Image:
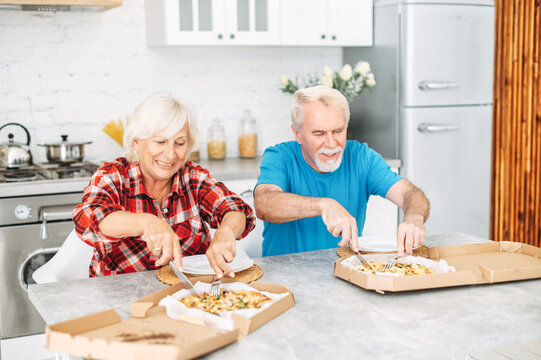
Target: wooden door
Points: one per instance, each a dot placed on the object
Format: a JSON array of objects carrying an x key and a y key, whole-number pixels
[{"x": 516, "y": 158}]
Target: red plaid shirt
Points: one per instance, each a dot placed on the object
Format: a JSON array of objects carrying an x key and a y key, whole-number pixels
[{"x": 195, "y": 199}]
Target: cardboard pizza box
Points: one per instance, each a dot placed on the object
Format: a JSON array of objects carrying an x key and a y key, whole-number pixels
[
  {"x": 475, "y": 264},
  {"x": 150, "y": 334}
]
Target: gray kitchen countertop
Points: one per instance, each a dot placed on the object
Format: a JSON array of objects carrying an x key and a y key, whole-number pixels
[
  {"x": 223, "y": 170},
  {"x": 335, "y": 319},
  {"x": 232, "y": 168}
]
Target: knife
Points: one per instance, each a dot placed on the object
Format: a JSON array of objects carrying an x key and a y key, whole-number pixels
[
  {"x": 187, "y": 283},
  {"x": 361, "y": 258}
]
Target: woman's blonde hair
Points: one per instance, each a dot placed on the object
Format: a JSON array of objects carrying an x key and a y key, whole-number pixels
[
  {"x": 330, "y": 97},
  {"x": 158, "y": 112}
]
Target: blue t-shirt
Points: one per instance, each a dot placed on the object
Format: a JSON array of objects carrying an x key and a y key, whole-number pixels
[{"x": 362, "y": 173}]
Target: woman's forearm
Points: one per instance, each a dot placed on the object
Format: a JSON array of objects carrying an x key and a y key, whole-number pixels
[
  {"x": 233, "y": 222},
  {"x": 121, "y": 224}
]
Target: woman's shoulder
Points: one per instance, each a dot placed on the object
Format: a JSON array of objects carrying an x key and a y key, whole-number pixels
[
  {"x": 119, "y": 167},
  {"x": 194, "y": 171},
  {"x": 119, "y": 164}
]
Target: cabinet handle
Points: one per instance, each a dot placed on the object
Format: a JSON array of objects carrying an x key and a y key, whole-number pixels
[
  {"x": 323, "y": 36},
  {"x": 232, "y": 36},
  {"x": 334, "y": 37},
  {"x": 60, "y": 212},
  {"x": 429, "y": 128},
  {"x": 437, "y": 85},
  {"x": 247, "y": 193},
  {"x": 220, "y": 36}
]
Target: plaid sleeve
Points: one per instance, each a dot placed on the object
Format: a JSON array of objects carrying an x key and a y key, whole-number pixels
[
  {"x": 216, "y": 200},
  {"x": 100, "y": 198}
]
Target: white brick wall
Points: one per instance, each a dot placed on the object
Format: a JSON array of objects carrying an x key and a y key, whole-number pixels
[{"x": 72, "y": 72}]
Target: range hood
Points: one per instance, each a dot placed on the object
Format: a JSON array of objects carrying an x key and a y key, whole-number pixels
[{"x": 59, "y": 5}]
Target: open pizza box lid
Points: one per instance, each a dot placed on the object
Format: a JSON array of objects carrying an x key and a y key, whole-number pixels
[
  {"x": 475, "y": 264},
  {"x": 150, "y": 334}
]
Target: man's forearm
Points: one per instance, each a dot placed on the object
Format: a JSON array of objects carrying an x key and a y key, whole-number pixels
[
  {"x": 416, "y": 205},
  {"x": 280, "y": 207}
]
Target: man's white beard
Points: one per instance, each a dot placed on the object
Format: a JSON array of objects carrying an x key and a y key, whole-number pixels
[{"x": 329, "y": 165}]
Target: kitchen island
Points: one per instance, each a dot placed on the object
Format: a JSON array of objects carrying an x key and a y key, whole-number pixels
[{"x": 335, "y": 319}]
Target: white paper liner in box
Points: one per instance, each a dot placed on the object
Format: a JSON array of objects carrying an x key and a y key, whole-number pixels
[
  {"x": 178, "y": 311},
  {"x": 440, "y": 266}
]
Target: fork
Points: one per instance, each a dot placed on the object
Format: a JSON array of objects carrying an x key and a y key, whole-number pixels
[
  {"x": 390, "y": 263},
  {"x": 215, "y": 288}
]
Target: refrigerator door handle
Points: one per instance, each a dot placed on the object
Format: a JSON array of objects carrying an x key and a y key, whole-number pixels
[
  {"x": 437, "y": 85},
  {"x": 430, "y": 128}
]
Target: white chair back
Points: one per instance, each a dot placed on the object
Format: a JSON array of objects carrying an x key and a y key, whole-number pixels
[{"x": 70, "y": 262}]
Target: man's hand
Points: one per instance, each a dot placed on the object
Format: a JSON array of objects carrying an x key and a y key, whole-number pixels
[
  {"x": 339, "y": 222},
  {"x": 411, "y": 234},
  {"x": 221, "y": 252}
]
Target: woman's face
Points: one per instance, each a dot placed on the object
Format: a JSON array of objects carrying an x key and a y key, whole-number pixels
[{"x": 159, "y": 157}]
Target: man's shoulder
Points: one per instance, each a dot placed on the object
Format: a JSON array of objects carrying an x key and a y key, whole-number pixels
[
  {"x": 282, "y": 150},
  {"x": 286, "y": 146},
  {"x": 357, "y": 147},
  {"x": 360, "y": 150}
]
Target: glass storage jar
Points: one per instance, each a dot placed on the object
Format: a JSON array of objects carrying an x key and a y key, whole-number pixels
[
  {"x": 194, "y": 155},
  {"x": 248, "y": 136},
  {"x": 216, "y": 141}
]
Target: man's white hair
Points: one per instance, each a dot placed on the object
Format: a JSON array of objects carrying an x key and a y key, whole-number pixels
[{"x": 330, "y": 97}]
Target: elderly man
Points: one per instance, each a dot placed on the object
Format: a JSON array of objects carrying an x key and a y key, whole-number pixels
[{"x": 317, "y": 187}]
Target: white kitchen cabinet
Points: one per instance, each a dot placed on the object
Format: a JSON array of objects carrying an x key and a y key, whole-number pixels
[
  {"x": 212, "y": 22},
  {"x": 381, "y": 216},
  {"x": 326, "y": 22}
]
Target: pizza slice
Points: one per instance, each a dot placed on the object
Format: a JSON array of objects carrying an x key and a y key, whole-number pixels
[{"x": 226, "y": 301}]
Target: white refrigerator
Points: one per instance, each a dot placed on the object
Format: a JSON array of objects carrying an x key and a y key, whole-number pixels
[{"x": 432, "y": 104}]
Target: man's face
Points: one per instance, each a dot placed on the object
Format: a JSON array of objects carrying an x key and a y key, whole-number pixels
[{"x": 322, "y": 136}]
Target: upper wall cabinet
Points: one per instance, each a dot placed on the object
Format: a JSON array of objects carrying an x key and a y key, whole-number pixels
[
  {"x": 212, "y": 22},
  {"x": 326, "y": 22}
]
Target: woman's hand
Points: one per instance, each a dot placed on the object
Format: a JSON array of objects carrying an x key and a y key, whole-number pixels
[
  {"x": 222, "y": 251},
  {"x": 222, "y": 247},
  {"x": 161, "y": 240}
]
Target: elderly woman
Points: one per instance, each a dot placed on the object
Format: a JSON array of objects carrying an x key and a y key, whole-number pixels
[{"x": 141, "y": 211}]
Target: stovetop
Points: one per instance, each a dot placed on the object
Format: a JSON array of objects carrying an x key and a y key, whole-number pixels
[
  {"x": 45, "y": 178},
  {"x": 47, "y": 171}
]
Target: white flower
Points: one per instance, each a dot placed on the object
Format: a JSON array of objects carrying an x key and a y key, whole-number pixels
[
  {"x": 284, "y": 80},
  {"x": 326, "y": 80},
  {"x": 346, "y": 72},
  {"x": 362, "y": 67},
  {"x": 370, "y": 81},
  {"x": 327, "y": 71}
]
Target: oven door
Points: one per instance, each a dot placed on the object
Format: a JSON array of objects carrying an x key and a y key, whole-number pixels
[{"x": 22, "y": 251}]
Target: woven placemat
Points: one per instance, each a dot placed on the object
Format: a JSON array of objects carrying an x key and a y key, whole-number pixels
[
  {"x": 347, "y": 252},
  {"x": 167, "y": 276}
]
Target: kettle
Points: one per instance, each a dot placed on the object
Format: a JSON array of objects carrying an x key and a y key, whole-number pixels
[{"x": 14, "y": 154}]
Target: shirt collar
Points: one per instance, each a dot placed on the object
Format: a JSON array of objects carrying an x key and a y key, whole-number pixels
[{"x": 138, "y": 187}]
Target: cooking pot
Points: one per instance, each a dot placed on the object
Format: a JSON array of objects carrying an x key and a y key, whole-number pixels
[
  {"x": 64, "y": 151},
  {"x": 14, "y": 154}
]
